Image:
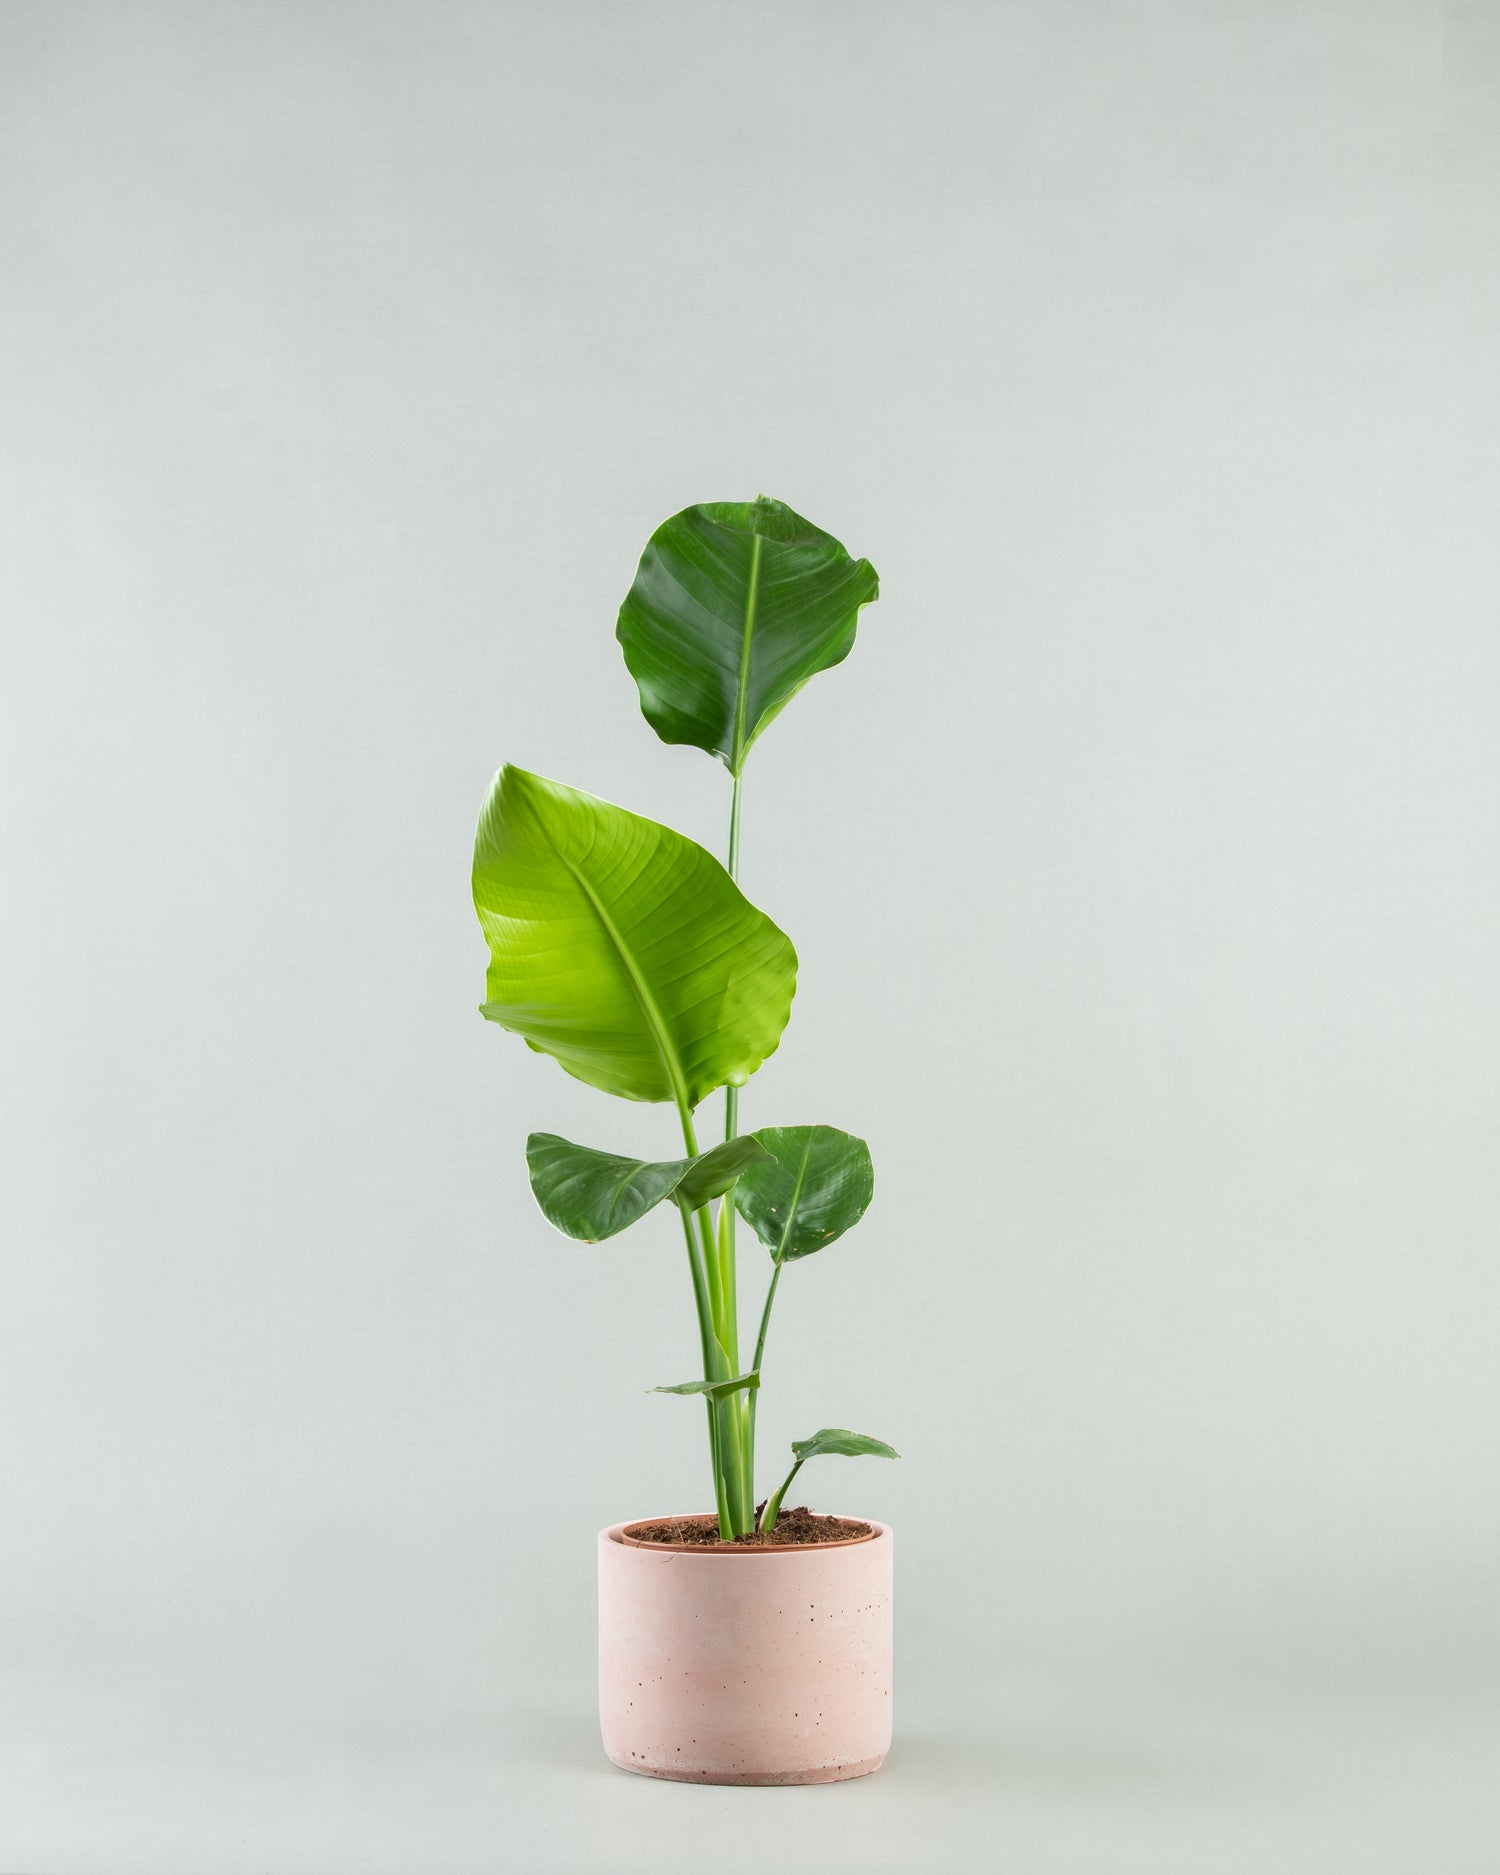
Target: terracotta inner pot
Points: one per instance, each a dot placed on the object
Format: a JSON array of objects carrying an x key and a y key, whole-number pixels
[{"x": 732, "y": 1549}]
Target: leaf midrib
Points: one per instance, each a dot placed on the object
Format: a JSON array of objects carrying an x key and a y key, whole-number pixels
[
  {"x": 747, "y": 638},
  {"x": 796, "y": 1198},
  {"x": 655, "y": 1021}
]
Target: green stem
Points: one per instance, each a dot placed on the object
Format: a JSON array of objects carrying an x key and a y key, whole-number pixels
[
  {"x": 712, "y": 1359},
  {"x": 773, "y": 1502},
  {"x": 721, "y": 1490},
  {"x": 729, "y": 1327},
  {"x": 730, "y": 1341},
  {"x": 734, "y": 1409},
  {"x": 731, "y": 1092},
  {"x": 732, "y": 1464},
  {"x": 725, "y": 1445},
  {"x": 728, "y": 1281},
  {"x": 765, "y": 1315},
  {"x": 734, "y": 832},
  {"x": 760, "y": 1349},
  {"x": 710, "y": 1252},
  {"x": 689, "y": 1131},
  {"x": 714, "y": 1366}
]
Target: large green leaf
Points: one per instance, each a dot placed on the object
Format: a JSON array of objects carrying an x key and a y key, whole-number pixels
[
  {"x": 817, "y": 1183},
  {"x": 592, "y": 1195},
  {"x": 621, "y": 948},
  {"x": 735, "y": 605}
]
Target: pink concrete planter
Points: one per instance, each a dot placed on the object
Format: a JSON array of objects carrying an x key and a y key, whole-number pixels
[{"x": 750, "y": 1666}]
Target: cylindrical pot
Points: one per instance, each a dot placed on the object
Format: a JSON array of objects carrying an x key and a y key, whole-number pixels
[{"x": 746, "y": 1666}]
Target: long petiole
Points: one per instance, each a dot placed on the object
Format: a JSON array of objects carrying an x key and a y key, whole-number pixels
[
  {"x": 724, "y": 1269},
  {"x": 707, "y": 1236},
  {"x": 727, "y": 1275},
  {"x": 734, "y": 832},
  {"x": 760, "y": 1348},
  {"x": 765, "y": 1315},
  {"x": 721, "y": 1489},
  {"x": 730, "y": 1341},
  {"x": 712, "y": 1360},
  {"x": 736, "y": 1505}
]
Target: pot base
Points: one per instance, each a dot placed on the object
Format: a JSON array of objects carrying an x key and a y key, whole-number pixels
[{"x": 817, "y": 1774}]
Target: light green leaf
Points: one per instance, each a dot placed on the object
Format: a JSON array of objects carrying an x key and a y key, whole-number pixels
[
  {"x": 835, "y": 1440},
  {"x": 592, "y": 1195},
  {"x": 818, "y": 1184},
  {"x": 622, "y": 949},
  {"x": 715, "y": 1389},
  {"x": 735, "y": 606}
]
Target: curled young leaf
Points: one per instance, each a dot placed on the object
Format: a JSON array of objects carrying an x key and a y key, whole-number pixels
[{"x": 818, "y": 1184}]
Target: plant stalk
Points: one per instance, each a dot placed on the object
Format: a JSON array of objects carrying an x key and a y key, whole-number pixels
[
  {"x": 730, "y": 1340},
  {"x": 737, "y": 1420},
  {"x": 711, "y": 1351},
  {"x": 735, "y": 1499},
  {"x": 773, "y": 1503},
  {"x": 721, "y": 1489},
  {"x": 760, "y": 1348},
  {"x": 728, "y": 1277}
]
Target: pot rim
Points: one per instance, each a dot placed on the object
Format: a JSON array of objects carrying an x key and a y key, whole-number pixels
[{"x": 618, "y": 1533}]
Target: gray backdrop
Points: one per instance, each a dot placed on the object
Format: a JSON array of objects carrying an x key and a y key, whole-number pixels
[{"x": 1141, "y": 861}]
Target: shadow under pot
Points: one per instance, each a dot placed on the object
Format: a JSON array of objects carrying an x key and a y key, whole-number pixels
[{"x": 730, "y": 1665}]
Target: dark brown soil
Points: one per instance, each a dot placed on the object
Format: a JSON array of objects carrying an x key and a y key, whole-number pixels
[{"x": 792, "y": 1527}]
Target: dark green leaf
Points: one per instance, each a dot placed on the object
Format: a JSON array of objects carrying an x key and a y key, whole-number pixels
[
  {"x": 715, "y": 1389},
  {"x": 592, "y": 1195},
  {"x": 622, "y": 949},
  {"x": 818, "y": 1185},
  {"x": 735, "y": 606},
  {"x": 834, "y": 1439},
  {"x": 712, "y": 1173}
]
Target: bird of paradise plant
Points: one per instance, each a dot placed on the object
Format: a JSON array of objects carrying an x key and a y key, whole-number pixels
[{"x": 629, "y": 954}]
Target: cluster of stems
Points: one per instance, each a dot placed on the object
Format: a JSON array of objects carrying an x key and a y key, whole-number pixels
[{"x": 711, "y": 1257}]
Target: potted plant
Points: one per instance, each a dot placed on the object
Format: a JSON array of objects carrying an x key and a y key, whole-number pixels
[{"x": 749, "y": 1644}]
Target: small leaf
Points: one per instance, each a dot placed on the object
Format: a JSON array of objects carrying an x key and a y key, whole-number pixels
[
  {"x": 835, "y": 1440},
  {"x": 831, "y": 1440},
  {"x": 819, "y": 1185},
  {"x": 735, "y": 606},
  {"x": 591, "y": 1195},
  {"x": 712, "y": 1173},
  {"x": 716, "y": 1389}
]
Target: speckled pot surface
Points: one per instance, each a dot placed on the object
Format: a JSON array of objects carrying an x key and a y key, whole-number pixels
[{"x": 759, "y": 1666}]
